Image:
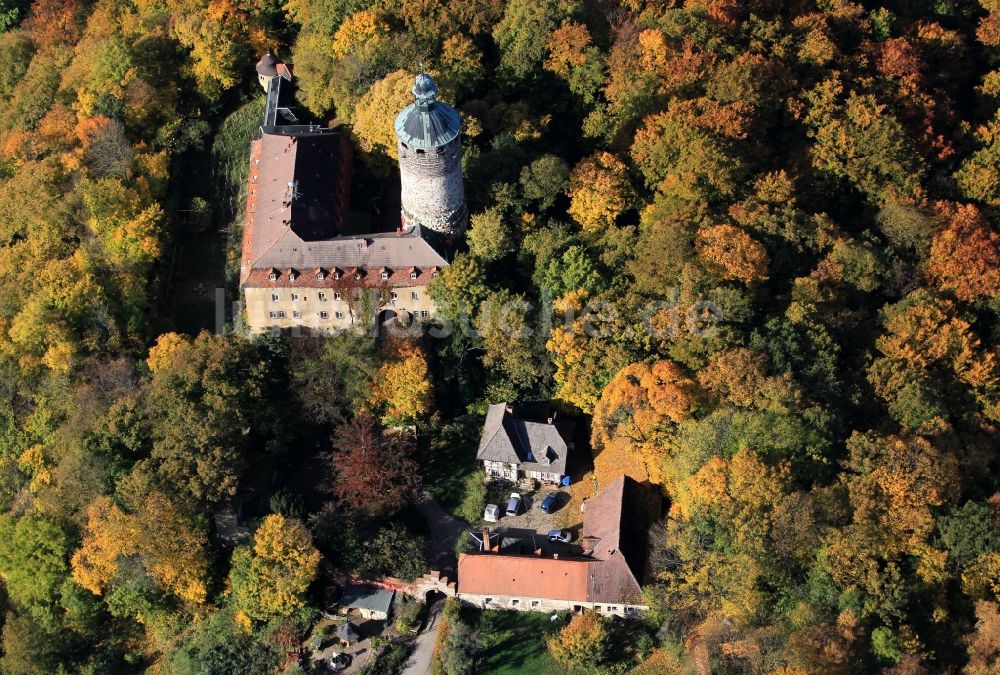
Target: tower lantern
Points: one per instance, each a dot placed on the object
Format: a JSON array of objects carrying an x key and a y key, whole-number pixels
[
  {"x": 267, "y": 69},
  {"x": 430, "y": 162}
]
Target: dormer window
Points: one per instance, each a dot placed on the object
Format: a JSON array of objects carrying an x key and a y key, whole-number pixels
[
  {"x": 292, "y": 275},
  {"x": 336, "y": 273},
  {"x": 320, "y": 274},
  {"x": 384, "y": 274},
  {"x": 434, "y": 272},
  {"x": 273, "y": 276},
  {"x": 413, "y": 273},
  {"x": 358, "y": 274}
]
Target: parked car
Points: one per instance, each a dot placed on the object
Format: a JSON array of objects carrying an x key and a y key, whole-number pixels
[
  {"x": 560, "y": 535},
  {"x": 514, "y": 504},
  {"x": 339, "y": 661},
  {"x": 492, "y": 513},
  {"x": 549, "y": 503}
]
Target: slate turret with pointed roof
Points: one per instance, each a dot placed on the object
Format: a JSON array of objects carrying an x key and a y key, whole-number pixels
[{"x": 430, "y": 162}]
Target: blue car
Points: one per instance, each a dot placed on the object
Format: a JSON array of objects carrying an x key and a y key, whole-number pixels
[{"x": 548, "y": 504}]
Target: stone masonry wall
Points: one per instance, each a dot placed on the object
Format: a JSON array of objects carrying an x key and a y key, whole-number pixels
[{"x": 433, "y": 194}]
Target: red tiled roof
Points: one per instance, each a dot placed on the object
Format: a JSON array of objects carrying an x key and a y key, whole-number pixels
[{"x": 524, "y": 576}]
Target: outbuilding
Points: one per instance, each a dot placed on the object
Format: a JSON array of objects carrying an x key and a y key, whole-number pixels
[{"x": 372, "y": 603}]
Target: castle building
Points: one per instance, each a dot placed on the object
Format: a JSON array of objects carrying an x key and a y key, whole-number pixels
[
  {"x": 309, "y": 263},
  {"x": 430, "y": 162}
]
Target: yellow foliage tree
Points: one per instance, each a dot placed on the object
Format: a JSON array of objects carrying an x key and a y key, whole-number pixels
[
  {"x": 374, "y": 116},
  {"x": 270, "y": 579},
  {"x": 599, "y": 191},
  {"x": 166, "y": 348},
  {"x": 361, "y": 28},
  {"x": 170, "y": 548},
  {"x": 585, "y": 360},
  {"x": 583, "y": 642},
  {"x": 402, "y": 388}
]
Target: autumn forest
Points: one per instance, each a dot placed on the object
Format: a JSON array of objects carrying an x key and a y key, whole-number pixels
[{"x": 782, "y": 215}]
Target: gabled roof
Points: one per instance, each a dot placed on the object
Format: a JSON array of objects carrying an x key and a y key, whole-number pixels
[
  {"x": 525, "y": 576},
  {"x": 615, "y": 525},
  {"x": 363, "y": 597},
  {"x": 509, "y": 439}
]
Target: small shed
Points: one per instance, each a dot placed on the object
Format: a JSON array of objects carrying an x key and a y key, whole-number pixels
[
  {"x": 372, "y": 603},
  {"x": 348, "y": 633}
]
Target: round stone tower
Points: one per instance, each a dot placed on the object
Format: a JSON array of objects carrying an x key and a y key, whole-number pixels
[{"x": 430, "y": 162}]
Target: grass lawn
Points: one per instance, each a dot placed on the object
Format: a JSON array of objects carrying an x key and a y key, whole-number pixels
[{"x": 514, "y": 642}]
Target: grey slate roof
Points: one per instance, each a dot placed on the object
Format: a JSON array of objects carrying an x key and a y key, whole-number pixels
[
  {"x": 527, "y": 443},
  {"x": 348, "y": 632},
  {"x": 268, "y": 65},
  {"x": 363, "y": 597},
  {"x": 370, "y": 251},
  {"x": 427, "y": 123}
]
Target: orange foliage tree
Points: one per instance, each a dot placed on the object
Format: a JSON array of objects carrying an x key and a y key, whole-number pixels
[
  {"x": 634, "y": 412},
  {"x": 731, "y": 253},
  {"x": 965, "y": 254}
]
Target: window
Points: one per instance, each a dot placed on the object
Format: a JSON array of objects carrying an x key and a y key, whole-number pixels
[
  {"x": 414, "y": 295},
  {"x": 336, "y": 295},
  {"x": 324, "y": 315},
  {"x": 420, "y": 151},
  {"x": 630, "y": 610},
  {"x": 295, "y": 296},
  {"x": 336, "y": 275},
  {"x": 413, "y": 274},
  {"x": 597, "y": 608},
  {"x": 424, "y": 313},
  {"x": 612, "y": 608},
  {"x": 277, "y": 315},
  {"x": 291, "y": 276},
  {"x": 322, "y": 297},
  {"x": 274, "y": 297},
  {"x": 320, "y": 276},
  {"x": 296, "y": 315},
  {"x": 393, "y": 295},
  {"x": 385, "y": 276},
  {"x": 339, "y": 315},
  {"x": 514, "y": 602},
  {"x": 272, "y": 276},
  {"x": 534, "y": 603},
  {"x": 489, "y": 600},
  {"x": 357, "y": 276}
]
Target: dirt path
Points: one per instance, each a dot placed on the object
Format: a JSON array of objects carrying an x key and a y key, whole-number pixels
[{"x": 445, "y": 531}]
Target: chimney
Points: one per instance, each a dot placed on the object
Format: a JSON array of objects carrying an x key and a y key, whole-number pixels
[
  {"x": 486, "y": 539},
  {"x": 510, "y": 409},
  {"x": 555, "y": 556},
  {"x": 538, "y": 551},
  {"x": 552, "y": 417}
]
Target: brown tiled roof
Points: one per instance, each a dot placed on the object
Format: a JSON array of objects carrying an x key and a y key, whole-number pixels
[
  {"x": 615, "y": 522},
  {"x": 296, "y": 207},
  {"x": 523, "y": 576}
]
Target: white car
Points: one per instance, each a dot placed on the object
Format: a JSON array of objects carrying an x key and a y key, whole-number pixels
[{"x": 492, "y": 513}]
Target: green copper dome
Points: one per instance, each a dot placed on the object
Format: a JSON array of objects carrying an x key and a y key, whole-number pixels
[{"x": 427, "y": 123}]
